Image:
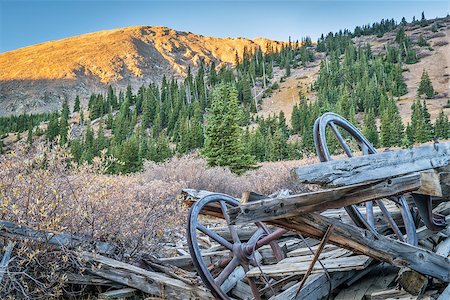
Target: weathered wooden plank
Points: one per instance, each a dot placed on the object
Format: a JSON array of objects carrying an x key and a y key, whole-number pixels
[
  {"x": 144, "y": 280},
  {"x": 356, "y": 291},
  {"x": 376, "y": 166},
  {"x": 435, "y": 182},
  {"x": 445, "y": 294},
  {"x": 14, "y": 231},
  {"x": 316, "y": 286},
  {"x": 374, "y": 245},
  {"x": 185, "y": 261},
  {"x": 443, "y": 248},
  {"x": 242, "y": 291},
  {"x": 118, "y": 294},
  {"x": 237, "y": 275},
  {"x": 391, "y": 294},
  {"x": 271, "y": 209},
  {"x": 339, "y": 252},
  {"x": 357, "y": 262},
  {"x": 88, "y": 279}
]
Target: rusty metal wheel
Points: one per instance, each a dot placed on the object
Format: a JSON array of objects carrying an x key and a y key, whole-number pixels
[
  {"x": 241, "y": 254},
  {"x": 337, "y": 123}
]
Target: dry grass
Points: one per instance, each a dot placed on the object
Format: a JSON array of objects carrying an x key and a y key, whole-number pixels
[{"x": 40, "y": 188}]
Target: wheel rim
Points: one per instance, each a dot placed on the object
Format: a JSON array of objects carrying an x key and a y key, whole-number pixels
[
  {"x": 236, "y": 248},
  {"x": 335, "y": 122}
]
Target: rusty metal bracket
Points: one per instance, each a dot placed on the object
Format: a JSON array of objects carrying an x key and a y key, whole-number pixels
[{"x": 433, "y": 221}]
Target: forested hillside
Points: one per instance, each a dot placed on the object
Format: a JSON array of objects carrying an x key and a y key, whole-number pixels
[{"x": 214, "y": 111}]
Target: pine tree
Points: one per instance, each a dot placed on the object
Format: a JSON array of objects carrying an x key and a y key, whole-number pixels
[
  {"x": 279, "y": 149},
  {"x": 422, "y": 42},
  {"x": 52, "y": 127},
  {"x": 420, "y": 124},
  {"x": 391, "y": 126},
  {"x": 370, "y": 128},
  {"x": 425, "y": 86},
  {"x": 442, "y": 126},
  {"x": 81, "y": 117},
  {"x": 30, "y": 134},
  {"x": 64, "y": 123},
  {"x": 76, "y": 106},
  {"x": 163, "y": 149},
  {"x": 223, "y": 135},
  {"x": 423, "y": 20}
]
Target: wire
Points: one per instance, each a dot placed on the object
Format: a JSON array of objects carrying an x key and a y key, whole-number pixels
[
  {"x": 264, "y": 275},
  {"x": 323, "y": 267}
]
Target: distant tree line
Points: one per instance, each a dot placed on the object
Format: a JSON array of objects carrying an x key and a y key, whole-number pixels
[{"x": 214, "y": 110}]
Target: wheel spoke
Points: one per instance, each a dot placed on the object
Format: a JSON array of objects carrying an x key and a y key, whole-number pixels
[
  {"x": 215, "y": 236},
  {"x": 233, "y": 231},
  {"x": 364, "y": 148},
  {"x": 341, "y": 140},
  {"x": 226, "y": 272},
  {"x": 390, "y": 220},
  {"x": 252, "y": 284},
  {"x": 369, "y": 213}
]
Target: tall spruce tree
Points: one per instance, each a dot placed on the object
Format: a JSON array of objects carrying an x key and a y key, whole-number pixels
[
  {"x": 425, "y": 86},
  {"x": 442, "y": 126},
  {"x": 223, "y": 135},
  {"x": 76, "y": 106},
  {"x": 370, "y": 128},
  {"x": 64, "y": 123}
]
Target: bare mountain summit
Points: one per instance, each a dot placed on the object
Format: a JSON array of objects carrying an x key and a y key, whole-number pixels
[{"x": 39, "y": 77}]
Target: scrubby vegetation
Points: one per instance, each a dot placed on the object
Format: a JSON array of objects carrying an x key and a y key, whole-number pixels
[{"x": 41, "y": 187}]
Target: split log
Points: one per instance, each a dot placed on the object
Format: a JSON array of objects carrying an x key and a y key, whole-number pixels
[
  {"x": 147, "y": 281},
  {"x": 70, "y": 241},
  {"x": 376, "y": 166},
  {"x": 374, "y": 245},
  {"x": 271, "y": 209}
]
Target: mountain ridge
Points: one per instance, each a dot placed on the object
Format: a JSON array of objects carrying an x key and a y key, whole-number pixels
[{"x": 38, "y": 78}]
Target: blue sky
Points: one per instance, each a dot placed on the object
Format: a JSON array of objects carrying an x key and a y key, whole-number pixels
[{"x": 24, "y": 23}]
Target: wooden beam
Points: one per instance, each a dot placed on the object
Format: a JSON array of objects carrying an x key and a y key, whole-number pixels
[
  {"x": 147, "y": 281},
  {"x": 318, "y": 201},
  {"x": 435, "y": 183},
  {"x": 374, "y": 245},
  {"x": 376, "y": 166}
]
